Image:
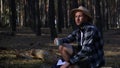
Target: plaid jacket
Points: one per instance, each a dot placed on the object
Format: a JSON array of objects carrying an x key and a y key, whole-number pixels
[{"x": 89, "y": 39}]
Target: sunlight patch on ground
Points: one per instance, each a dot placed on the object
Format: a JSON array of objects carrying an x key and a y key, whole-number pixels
[
  {"x": 112, "y": 53},
  {"x": 19, "y": 34}
]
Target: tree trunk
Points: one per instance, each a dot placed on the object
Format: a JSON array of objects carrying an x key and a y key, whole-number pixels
[
  {"x": 60, "y": 21},
  {"x": 83, "y": 2},
  {"x": 38, "y": 21},
  {"x": 1, "y": 11},
  {"x": 46, "y": 13},
  {"x": 106, "y": 14},
  {"x": 65, "y": 13},
  {"x": 51, "y": 19},
  {"x": 25, "y": 13},
  {"x": 73, "y": 4},
  {"x": 13, "y": 15},
  {"x": 98, "y": 19}
]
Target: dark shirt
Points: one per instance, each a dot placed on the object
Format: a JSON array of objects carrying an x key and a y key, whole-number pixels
[{"x": 90, "y": 41}]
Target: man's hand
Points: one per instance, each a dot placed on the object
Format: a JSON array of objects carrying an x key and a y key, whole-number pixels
[
  {"x": 65, "y": 65},
  {"x": 55, "y": 40}
]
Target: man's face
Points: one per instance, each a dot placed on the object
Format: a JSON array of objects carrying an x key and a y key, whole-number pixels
[{"x": 79, "y": 18}]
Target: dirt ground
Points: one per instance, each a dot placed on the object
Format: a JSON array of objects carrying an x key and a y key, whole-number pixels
[{"x": 25, "y": 41}]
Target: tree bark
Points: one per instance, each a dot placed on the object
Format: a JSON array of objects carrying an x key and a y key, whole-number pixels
[
  {"x": 60, "y": 21},
  {"x": 98, "y": 19},
  {"x": 1, "y": 11},
  {"x": 13, "y": 15},
  {"x": 51, "y": 19},
  {"x": 38, "y": 21},
  {"x": 73, "y": 4}
]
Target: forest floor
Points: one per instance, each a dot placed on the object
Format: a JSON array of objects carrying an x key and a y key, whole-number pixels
[{"x": 25, "y": 40}]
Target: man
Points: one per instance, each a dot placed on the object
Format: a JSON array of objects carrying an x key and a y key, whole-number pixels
[{"x": 89, "y": 52}]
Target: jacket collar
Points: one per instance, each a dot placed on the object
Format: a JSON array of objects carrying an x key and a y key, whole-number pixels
[{"x": 81, "y": 26}]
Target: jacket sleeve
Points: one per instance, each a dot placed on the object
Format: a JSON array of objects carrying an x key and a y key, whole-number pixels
[
  {"x": 87, "y": 46},
  {"x": 70, "y": 38}
]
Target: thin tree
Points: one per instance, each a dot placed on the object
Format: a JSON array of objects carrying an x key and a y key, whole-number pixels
[
  {"x": 51, "y": 19},
  {"x": 46, "y": 13},
  {"x": 13, "y": 16},
  {"x": 106, "y": 10},
  {"x": 1, "y": 11},
  {"x": 65, "y": 7},
  {"x": 60, "y": 22},
  {"x": 73, "y": 4},
  {"x": 98, "y": 19},
  {"x": 83, "y": 2},
  {"x": 37, "y": 20}
]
